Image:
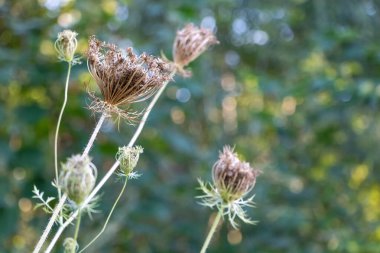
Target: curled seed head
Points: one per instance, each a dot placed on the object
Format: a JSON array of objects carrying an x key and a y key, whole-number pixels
[
  {"x": 77, "y": 178},
  {"x": 124, "y": 77},
  {"x": 66, "y": 44},
  {"x": 232, "y": 177},
  {"x": 189, "y": 43},
  {"x": 128, "y": 158}
]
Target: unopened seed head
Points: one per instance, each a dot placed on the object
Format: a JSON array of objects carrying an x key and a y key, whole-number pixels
[
  {"x": 232, "y": 177},
  {"x": 66, "y": 44},
  {"x": 77, "y": 178},
  {"x": 128, "y": 158},
  {"x": 70, "y": 245},
  {"x": 190, "y": 42}
]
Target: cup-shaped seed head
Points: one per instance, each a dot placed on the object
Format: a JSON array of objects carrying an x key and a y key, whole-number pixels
[
  {"x": 190, "y": 42},
  {"x": 128, "y": 158},
  {"x": 124, "y": 77},
  {"x": 77, "y": 178},
  {"x": 232, "y": 177},
  {"x": 66, "y": 44}
]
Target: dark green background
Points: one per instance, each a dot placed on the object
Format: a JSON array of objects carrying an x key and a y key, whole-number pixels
[{"x": 293, "y": 85}]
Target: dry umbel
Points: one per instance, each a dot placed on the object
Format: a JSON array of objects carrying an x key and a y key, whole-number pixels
[
  {"x": 124, "y": 77},
  {"x": 189, "y": 43}
]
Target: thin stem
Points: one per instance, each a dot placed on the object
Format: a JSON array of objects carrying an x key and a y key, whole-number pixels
[
  {"x": 87, "y": 149},
  {"x": 85, "y": 202},
  {"x": 50, "y": 224},
  {"x": 211, "y": 232},
  {"x": 94, "y": 134},
  {"x": 77, "y": 225},
  {"x": 57, "y": 133},
  {"x": 112, "y": 169},
  {"x": 108, "y": 217}
]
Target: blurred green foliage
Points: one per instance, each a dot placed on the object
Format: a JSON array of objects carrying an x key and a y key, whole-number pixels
[{"x": 294, "y": 85}]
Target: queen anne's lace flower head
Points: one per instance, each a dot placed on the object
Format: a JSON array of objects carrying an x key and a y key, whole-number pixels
[
  {"x": 65, "y": 45},
  {"x": 232, "y": 181},
  {"x": 190, "y": 43},
  {"x": 124, "y": 77},
  {"x": 78, "y": 177}
]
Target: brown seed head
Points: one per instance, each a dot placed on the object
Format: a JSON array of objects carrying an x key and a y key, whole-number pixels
[
  {"x": 232, "y": 177},
  {"x": 124, "y": 78},
  {"x": 189, "y": 43}
]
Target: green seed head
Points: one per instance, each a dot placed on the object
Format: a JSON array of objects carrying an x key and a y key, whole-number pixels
[
  {"x": 78, "y": 177},
  {"x": 128, "y": 158},
  {"x": 66, "y": 44}
]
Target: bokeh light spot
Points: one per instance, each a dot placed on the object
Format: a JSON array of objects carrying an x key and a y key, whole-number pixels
[
  {"x": 358, "y": 175},
  {"x": 231, "y": 58},
  {"x": 25, "y": 205},
  {"x": 234, "y": 237},
  {"x": 288, "y": 106},
  {"x": 19, "y": 174},
  {"x": 68, "y": 19},
  {"x": 47, "y": 48},
  {"x": 177, "y": 115},
  {"x": 209, "y": 23},
  {"x": 183, "y": 95},
  {"x": 228, "y": 82}
]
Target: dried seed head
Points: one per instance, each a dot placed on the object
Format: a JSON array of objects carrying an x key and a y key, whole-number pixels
[
  {"x": 233, "y": 178},
  {"x": 189, "y": 43},
  {"x": 123, "y": 77},
  {"x": 128, "y": 158},
  {"x": 77, "y": 178},
  {"x": 66, "y": 44}
]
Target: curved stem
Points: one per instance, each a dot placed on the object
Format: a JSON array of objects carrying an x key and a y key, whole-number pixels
[
  {"x": 94, "y": 134},
  {"x": 112, "y": 169},
  {"x": 211, "y": 232},
  {"x": 57, "y": 133},
  {"x": 50, "y": 224},
  {"x": 108, "y": 217}
]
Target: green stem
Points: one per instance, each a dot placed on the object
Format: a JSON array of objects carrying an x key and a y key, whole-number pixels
[
  {"x": 211, "y": 232},
  {"x": 77, "y": 226},
  {"x": 57, "y": 133},
  {"x": 108, "y": 218}
]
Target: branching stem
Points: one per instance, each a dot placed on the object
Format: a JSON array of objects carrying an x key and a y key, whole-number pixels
[
  {"x": 112, "y": 169},
  {"x": 108, "y": 217}
]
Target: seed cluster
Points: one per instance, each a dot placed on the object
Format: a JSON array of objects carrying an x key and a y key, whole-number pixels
[
  {"x": 65, "y": 45},
  {"x": 77, "y": 178},
  {"x": 232, "y": 177},
  {"x": 123, "y": 77},
  {"x": 189, "y": 43}
]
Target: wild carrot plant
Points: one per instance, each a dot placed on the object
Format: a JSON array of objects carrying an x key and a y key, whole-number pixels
[
  {"x": 232, "y": 181},
  {"x": 123, "y": 78}
]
